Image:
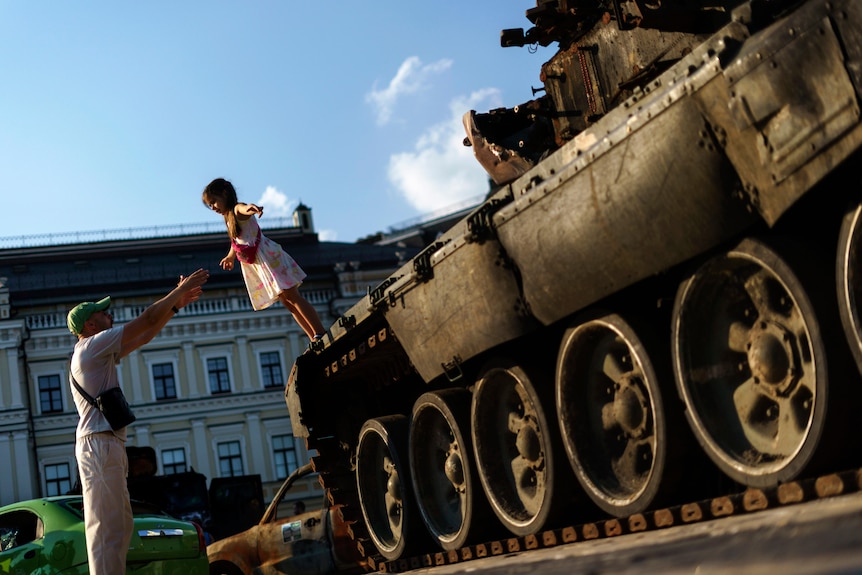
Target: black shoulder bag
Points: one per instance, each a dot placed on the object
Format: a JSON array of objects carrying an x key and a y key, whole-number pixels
[{"x": 112, "y": 403}]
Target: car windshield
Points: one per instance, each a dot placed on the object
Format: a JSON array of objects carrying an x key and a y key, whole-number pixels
[{"x": 75, "y": 505}]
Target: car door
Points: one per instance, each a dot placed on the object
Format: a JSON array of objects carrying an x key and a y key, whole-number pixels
[
  {"x": 21, "y": 559},
  {"x": 21, "y": 553},
  {"x": 298, "y": 545}
]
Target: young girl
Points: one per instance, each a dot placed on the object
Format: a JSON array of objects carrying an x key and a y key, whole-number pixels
[{"x": 270, "y": 273}]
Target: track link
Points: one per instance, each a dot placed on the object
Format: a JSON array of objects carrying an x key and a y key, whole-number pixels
[{"x": 749, "y": 501}]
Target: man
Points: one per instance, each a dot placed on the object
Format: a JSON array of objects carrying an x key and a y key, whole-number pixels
[{"x": 100, "y": 451}]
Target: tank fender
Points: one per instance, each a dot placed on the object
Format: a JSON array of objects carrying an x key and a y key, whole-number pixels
[
  {"x": 786, "y": 108},
  {"x": 442, "y": 320}
]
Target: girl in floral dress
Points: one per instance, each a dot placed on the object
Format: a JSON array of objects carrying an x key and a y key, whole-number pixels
[{"x": 270, "y": 274}]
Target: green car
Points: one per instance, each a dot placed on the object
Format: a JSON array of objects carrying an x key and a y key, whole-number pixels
[{"x": 46, "y": 537}]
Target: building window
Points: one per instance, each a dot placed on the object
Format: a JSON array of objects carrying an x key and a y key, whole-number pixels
[
  {"x": 164, "y": 382},
  {"x": 50, "y": 396},
  {"x": 230, "y": 459},
  {"x": 284, "y": 453},
  {"x": 217, "y": 373},
  {"x": 58, "y": 481},
  {"x": 174, "y": 461},
  {"x": 270, "y": 369}
]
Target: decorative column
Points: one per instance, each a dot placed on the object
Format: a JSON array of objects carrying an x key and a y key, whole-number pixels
[
  {"x": 142, "y": 435},
  {"x": 23, "y": 466},
  {"x": 256, "y": 443},
  {"x": 245, "y": 372},
  {"x": 193, "y": 385},
  {"x": 7, "y": 480},
  {"x": 295, "y": 347},
  {"x": 133, "y": 365},
  {"x": 14, "y": 378},
  {"x": 200, "y": 459}
]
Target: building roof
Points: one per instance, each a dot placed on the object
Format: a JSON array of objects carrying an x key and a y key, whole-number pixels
[{"x": 52, "y": 274}]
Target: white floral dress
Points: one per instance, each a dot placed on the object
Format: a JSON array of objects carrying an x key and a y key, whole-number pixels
[{"x": 273, "y": 270}]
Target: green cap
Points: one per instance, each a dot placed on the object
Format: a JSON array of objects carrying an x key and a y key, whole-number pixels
[{"x": 82, "y": 312}]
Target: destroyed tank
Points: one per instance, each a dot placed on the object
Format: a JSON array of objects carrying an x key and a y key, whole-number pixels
[{"x": 658, "y": 298}]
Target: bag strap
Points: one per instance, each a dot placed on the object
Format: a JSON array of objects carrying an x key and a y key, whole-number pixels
[
  {"x": 83, "y": 393},
  {"x": 247, "y": 247}
]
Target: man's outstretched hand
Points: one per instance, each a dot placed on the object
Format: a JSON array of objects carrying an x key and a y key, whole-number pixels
[{"x": 191, "y": 286}]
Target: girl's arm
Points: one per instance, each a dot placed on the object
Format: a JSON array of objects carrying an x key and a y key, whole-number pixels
[
  {"x": 227, "y": 262},
  {"x": 245, "y": 211}
]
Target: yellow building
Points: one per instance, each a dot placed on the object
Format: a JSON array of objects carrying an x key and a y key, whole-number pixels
[{"x": 208, "y": 391}]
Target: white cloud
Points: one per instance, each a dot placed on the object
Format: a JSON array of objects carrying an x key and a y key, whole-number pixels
[
  {"x": 327, "y": 235},
  {"x": 276, "y": 204},
  {"x": 411, "y": 77},
  {"x": 441, "y": 171}
]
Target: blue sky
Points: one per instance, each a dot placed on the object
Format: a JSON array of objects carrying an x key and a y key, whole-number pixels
[{"x": 115, "y": 115}]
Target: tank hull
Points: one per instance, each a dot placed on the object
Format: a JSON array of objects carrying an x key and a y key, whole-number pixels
[{"x": 665, "y": 286}]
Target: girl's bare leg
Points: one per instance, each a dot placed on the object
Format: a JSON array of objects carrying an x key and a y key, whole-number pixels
[
  {"x": 303, "y": 312},
  {"x": 297, "y": 316}
]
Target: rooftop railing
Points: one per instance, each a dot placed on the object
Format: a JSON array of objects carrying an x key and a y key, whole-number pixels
[
  {"x": 121, "y": 313},
  {"x": 139, "y": 233}
]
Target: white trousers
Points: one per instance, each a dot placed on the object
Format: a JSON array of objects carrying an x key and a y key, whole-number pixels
[{"x": 103, "y": 467}]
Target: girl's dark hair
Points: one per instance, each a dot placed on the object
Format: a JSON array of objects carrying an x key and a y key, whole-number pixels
[{"x": 221, "y": 189}]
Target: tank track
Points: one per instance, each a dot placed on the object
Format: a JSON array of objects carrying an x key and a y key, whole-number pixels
[
  {"x": 376, "y": 360},
  {"x": 751, "y": 500},
  {"x": 339, "y": 481},
  {"x": 336, "y": 466}
]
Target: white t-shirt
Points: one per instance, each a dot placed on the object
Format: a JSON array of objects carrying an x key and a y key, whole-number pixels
[{"x": 93, "y": 365}]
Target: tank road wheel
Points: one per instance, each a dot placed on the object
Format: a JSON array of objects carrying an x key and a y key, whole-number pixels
[
  {"x": 383, "y": 481},
  {"x": 849, "y": 270},
  {"x": 513, "y": 443},
  {"x": 448, "y": 493},
  {"x": 611, "y": 414},
  {"x": 750, "y": 364}
]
